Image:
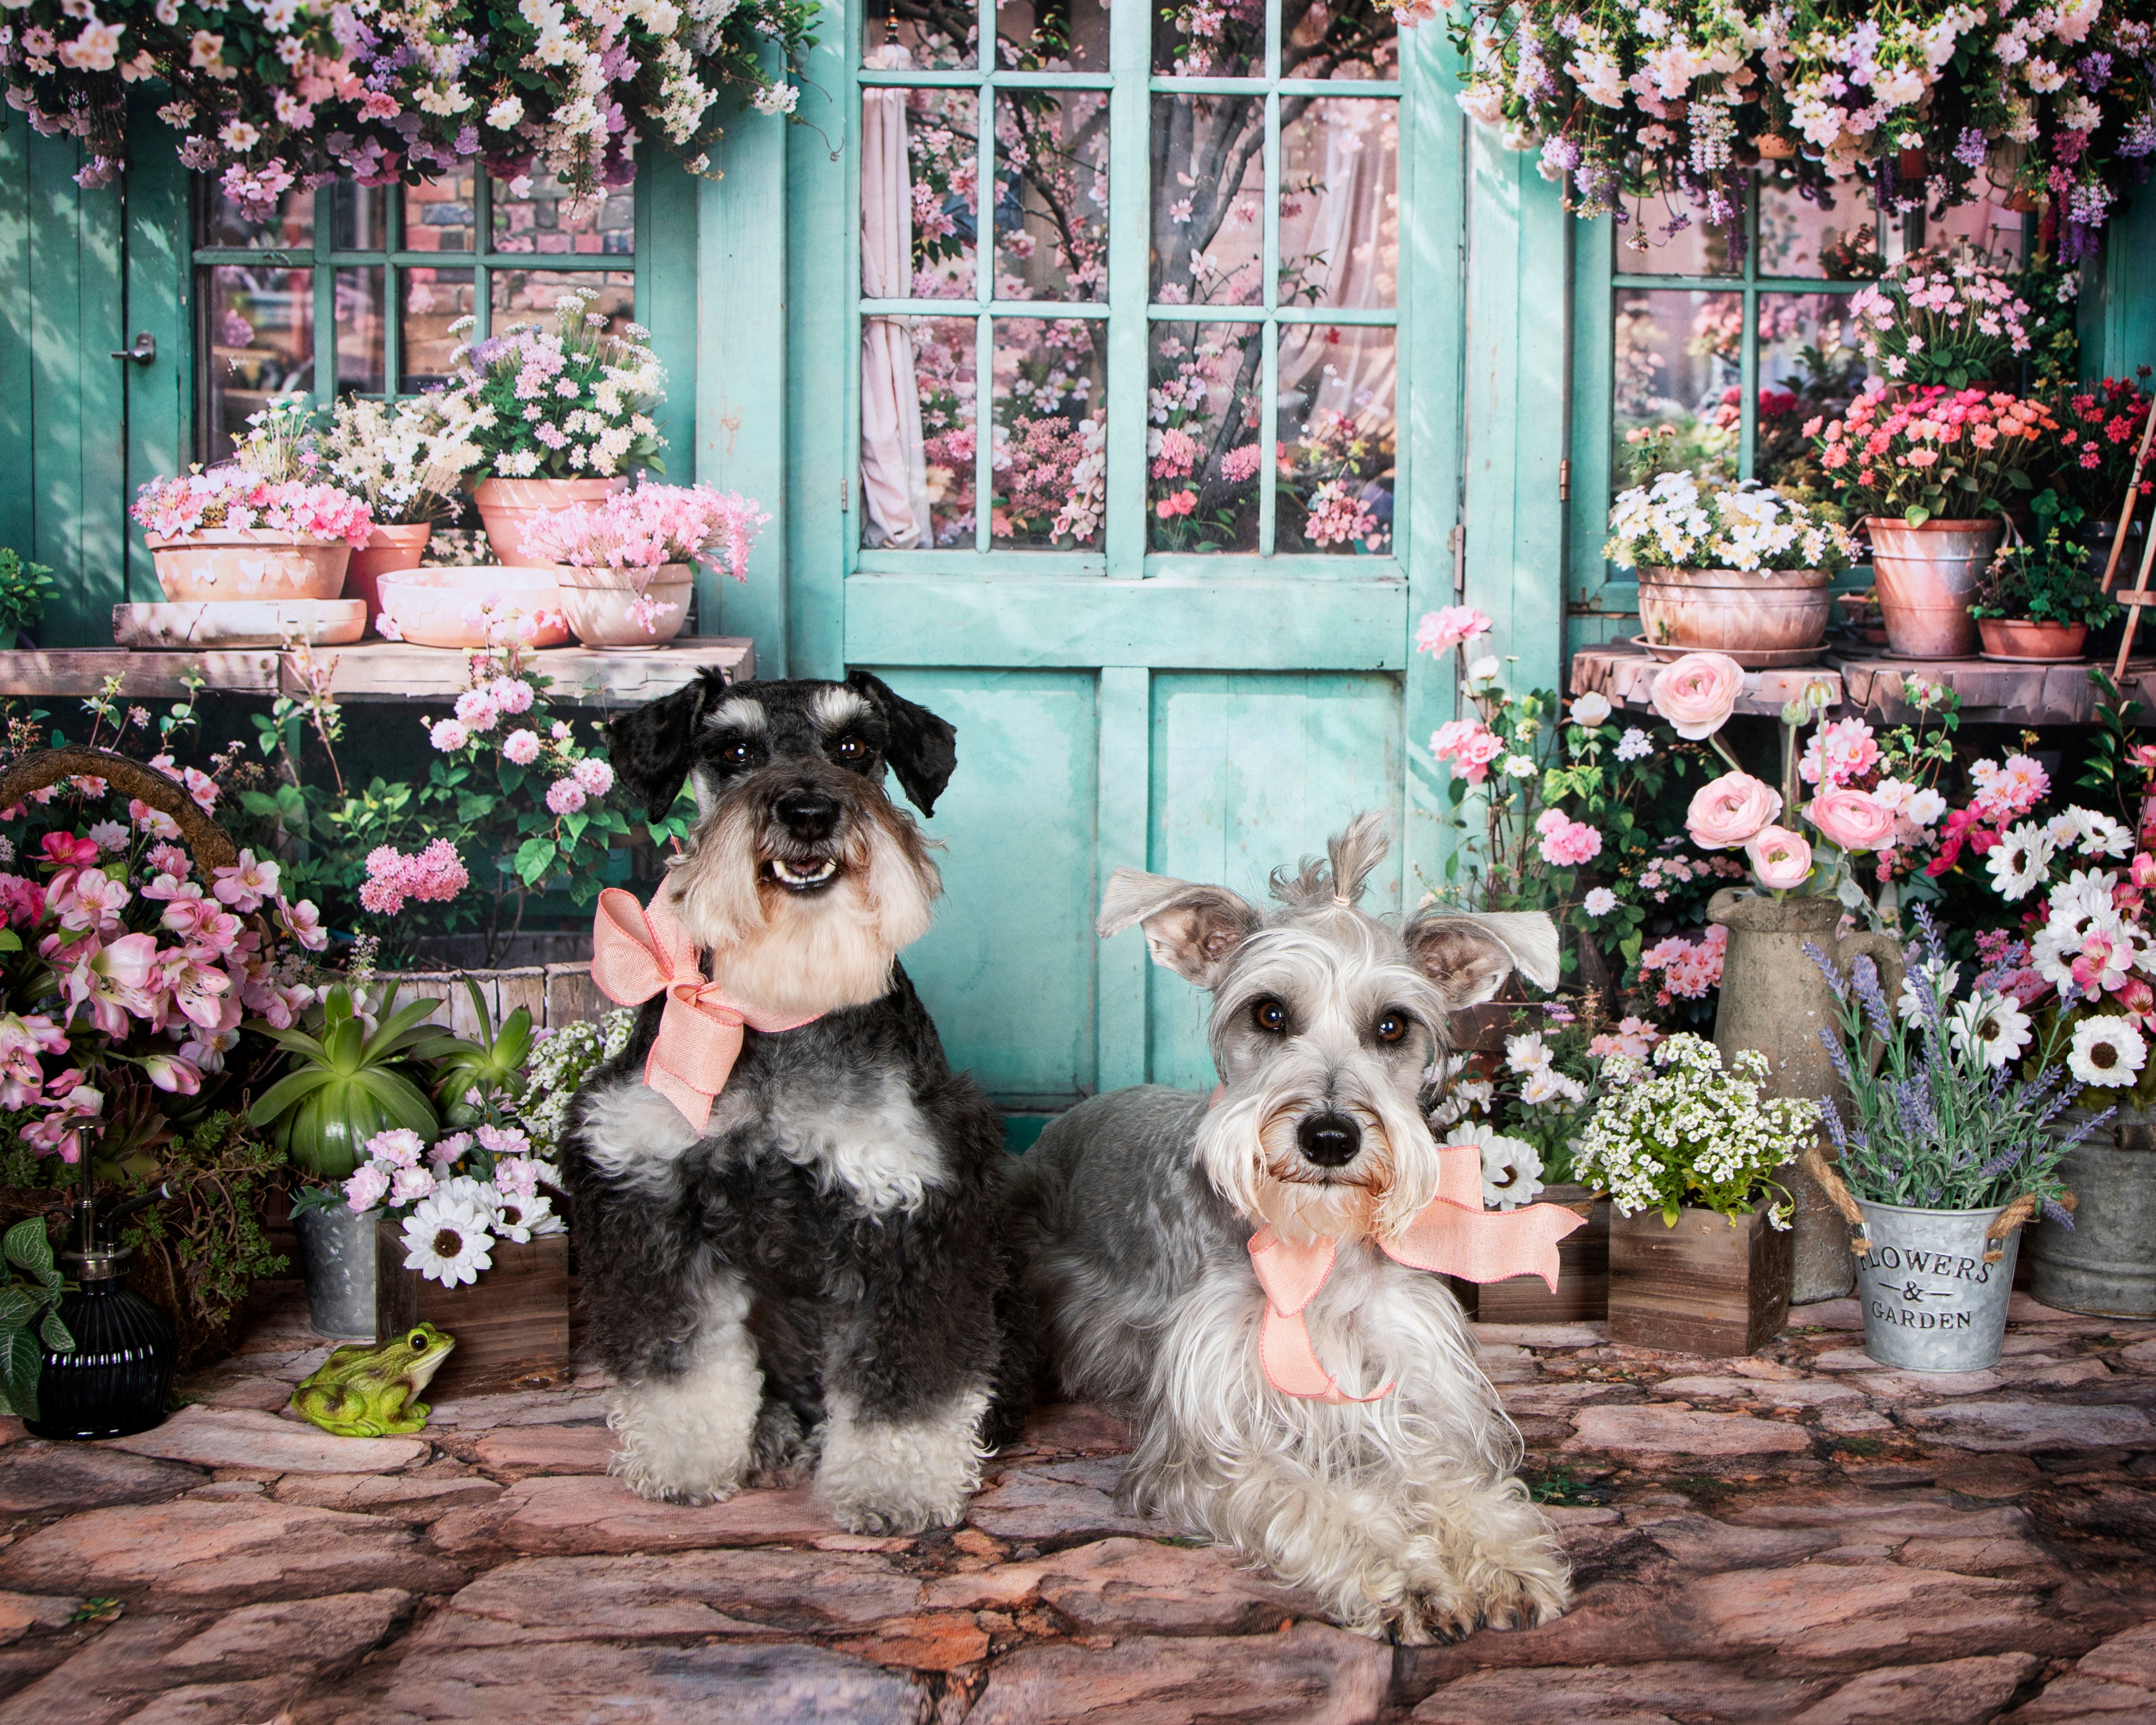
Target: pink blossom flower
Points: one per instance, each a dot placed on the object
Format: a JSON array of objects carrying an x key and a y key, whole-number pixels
[
  {"x": 564, "y": 795},
  {"x": 1176, "y": 504},
  {"x": 1698, "y": 693},
  {"x": 1455, "y": 626},
  {"x": 444, "y": 1152},
  {"x": 170, "y": 859},
  {"x": 60, "y": 1130},
  {"x": 448, "y": 736},
  {"x": 201, "y": 786},
  {"x": 1850, "y": 820},
  {"x": 595, "y": 776},
  {"x": 171, "y": 1074},
  {"x": 1729, "y": 810},
  {"x": 521, "y": 747},
  {"x": 399, "y": 1147},
  {"x": 22, "y": 1039},
  {"x": 504, "y": 1140},
  {"x": 246, "y": 883},
  {"x": 304, "y": 923},
  {"x": 1840, "y": 751},
  {"x": 517, "y": 1174},
  {"x": 108, "y": 836},
  {"x": 409, "y": 1184},
  {"x": 367, "y": 1188},
  {"x": 1570, "y": 843},
  {"x": 1239, "y": 466},
  {"x": 559, "y": 731},
  {"x": 202, "y": 994},
  {"x": 511, "y": 694},
  {"x": 155, "y": 822},
  {"x": 1780, "y": 858},
  {"x": 476, "y": 710},
  {"x": 66, "y": 850},
  {"x": 2003, "y": 793},
  {"x": 88, "y": 899},
  {"x": 433, "y": 875}
]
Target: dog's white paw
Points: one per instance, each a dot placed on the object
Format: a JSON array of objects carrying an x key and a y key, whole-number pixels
[
  {"x": 901, "y": 1476},
  {"x": 687, "y": 1441}
]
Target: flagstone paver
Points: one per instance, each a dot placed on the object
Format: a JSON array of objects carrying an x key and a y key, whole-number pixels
[{"x": 1804, "y": 1536}]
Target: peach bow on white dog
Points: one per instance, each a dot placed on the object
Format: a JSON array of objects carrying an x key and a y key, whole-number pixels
[{"x": 1453, "y": 1234}]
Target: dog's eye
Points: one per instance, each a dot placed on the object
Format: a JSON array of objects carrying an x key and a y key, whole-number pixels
[
  {"x": 1269, "y": 1016},
  {"x": 850, "y": 748},
  {"x": 1392, "y": 1027},
  {"x": 737, "y": 754}
]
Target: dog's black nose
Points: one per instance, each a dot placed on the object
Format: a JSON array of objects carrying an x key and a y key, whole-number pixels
[
  {"x": 1329, "y": 1140},
  {"x": 806, "y": 812}
]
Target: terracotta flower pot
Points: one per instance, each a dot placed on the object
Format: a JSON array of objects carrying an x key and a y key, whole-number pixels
[
  {"x": 253, "y": 563},
  {"x": 387, "y": 551},
  {"x": 1927, "y": 577},
  {"x": 597, "y": 603},
  {"x": 1774, "y": 999},
  {"x": 1703, "y": 1287},
  {"x": 1735, "y": 610},
  {"x": 427, "y": 606},
  {"x": 506, "y": 505},
  {"x": 2018, "y": 637}
]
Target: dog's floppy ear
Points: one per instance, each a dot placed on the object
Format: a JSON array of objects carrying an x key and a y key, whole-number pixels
[
  {"x": 1469, "y": 953},
  {"x": 652, "y": 747},
  {"x": 1193, "y": 930},
  {"x": 923, "y": 750}
]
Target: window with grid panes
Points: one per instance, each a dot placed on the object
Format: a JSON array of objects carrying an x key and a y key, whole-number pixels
[
  {"x": 353, "y": 288},
  {"x": 1736, "y": 349},
  {"x": 1178, "y": 294}
]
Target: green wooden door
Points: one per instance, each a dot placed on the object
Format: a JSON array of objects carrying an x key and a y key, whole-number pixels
[{"x": 1206, "y": 672}]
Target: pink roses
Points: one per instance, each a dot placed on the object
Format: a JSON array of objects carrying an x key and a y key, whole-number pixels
[
  {"x": 1851, "y": 820},
  {"x": 1469, "y": 745},
  {"x": 1779, "y": 857},
  {"x": 1728, "y": 811},
  {"x": 1566, "y": 843},
  {"x": 1698, "y": 693}
]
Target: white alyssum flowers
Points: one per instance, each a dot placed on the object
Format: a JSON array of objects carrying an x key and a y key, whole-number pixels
[
  {"x": 1673, "y": 524},
  {"x": 1679, "y": 1128}
]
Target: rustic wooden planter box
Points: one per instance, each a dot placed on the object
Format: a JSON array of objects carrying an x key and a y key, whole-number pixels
[
  {"x": 511, "y": 1326},
  {"x": 1582, "y": 1277},
  {"x": 1700, "y": 1287}
]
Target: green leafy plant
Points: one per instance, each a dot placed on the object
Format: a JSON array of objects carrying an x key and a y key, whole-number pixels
[
  {"x": 490, "y": 1062},
  {"x": 206, "y": 1242},
  {"x": 2045, "y": 579},
  {"x": 29, "y": 1315},
  {"x": 346, "y": 1084},
  {"x": 25, "y": 588}
]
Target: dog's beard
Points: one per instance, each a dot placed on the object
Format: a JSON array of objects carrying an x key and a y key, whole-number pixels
[
  {"x": 1247, "y": 1148},
  {"x": 792, "y": 955}
]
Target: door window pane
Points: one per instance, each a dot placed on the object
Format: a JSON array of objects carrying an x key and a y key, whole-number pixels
[
  {"x": 1052, "y": 36},
  {"x": 1208, "y": 190},
  {"x": 1351, "y": 39},
  {"x": 937, "y": 35},
  {"x": 260, "y": 335},
  {"x": 439, "y": 214},
  {"x": 1205, "y": 455},
  {"x": 1051, "y": 449},
  {"x": 537, "y": 214},
  {"x": 528, "y": 295},
  {"x": 361, "y": 217},
  {"x": 920, "y": 193},
  {"x": 1678, "y": 354},
  {"x": 1339, "y": 213},
  {"x": 433, "y": 301},
  {"x": 1667, "y": 237},
  {"x": 1052, "y": 195},
  {"x": 360, "y": 362},
  {"x": 1333, "y": 489},
  {"x": 226, "y": 224},
  {"x": 918, "y": 451},
  {"x": 1808, "y": 368},
  {"x": 1801, "y": 236},
  {"x": 1210, "y": 38}
]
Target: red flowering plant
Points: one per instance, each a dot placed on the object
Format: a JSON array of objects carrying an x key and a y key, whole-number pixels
[
  {"x": 127, "y": 965},
  {"x": 1935, "y": 452},
  {"x": 2100, "y": 429}
]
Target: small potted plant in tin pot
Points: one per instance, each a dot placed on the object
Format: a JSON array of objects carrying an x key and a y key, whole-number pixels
[
  {"x": 2039, "y": 600},
  {"x": 1947, "y": 1150}
]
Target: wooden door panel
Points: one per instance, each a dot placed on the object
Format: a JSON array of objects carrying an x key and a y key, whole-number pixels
[
  {"x": 1249, "y": 772},
  {"x": 1008, "y": 970}
]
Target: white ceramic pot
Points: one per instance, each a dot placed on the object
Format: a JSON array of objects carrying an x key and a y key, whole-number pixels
[{"x": 601, "y": 615}]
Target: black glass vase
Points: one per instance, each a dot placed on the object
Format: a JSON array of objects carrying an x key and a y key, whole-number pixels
[{"x": 120, "y": 1376}]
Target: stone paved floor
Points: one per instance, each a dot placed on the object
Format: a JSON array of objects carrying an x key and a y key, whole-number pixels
[{"x": 1800, "y": 1537}]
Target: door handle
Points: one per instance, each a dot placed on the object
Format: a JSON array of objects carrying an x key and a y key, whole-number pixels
[{"x": 143, "y": 351}]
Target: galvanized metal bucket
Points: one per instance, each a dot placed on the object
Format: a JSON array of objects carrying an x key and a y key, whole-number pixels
[
  {"x": 1926, "y": 576},
  {"x": 1931, "y": 1303},
  {"x": 2106, "y": 1263},
  {"x": 336, "y": 1255}
]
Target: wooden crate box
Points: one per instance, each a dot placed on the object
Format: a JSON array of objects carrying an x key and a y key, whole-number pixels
[{"x": 511, "y": 1326}]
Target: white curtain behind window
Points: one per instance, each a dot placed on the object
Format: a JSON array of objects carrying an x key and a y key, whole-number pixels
[{"x": 894, "y": 474}]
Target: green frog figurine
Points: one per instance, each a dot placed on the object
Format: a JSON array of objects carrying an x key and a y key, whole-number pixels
[{"x": 373, "y": 1392}]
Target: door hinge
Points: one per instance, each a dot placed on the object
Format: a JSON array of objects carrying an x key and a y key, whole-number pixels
[
  {"x": 845, "y": 495},
  {"x": 1459, "y": 560},
  {"x": 1565, "y": 480}
]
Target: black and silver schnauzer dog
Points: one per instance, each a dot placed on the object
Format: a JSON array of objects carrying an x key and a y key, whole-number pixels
[{"x": 822, "y": 1280}]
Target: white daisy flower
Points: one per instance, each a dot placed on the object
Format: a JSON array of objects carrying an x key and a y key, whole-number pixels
[
  {"x": 2082, "y": 896},
  {"x": 2018, "y": 861},
  {"x": 1528, "y": 1053},
  {"x": 519, "y": 1219},
  {"x": 2107, "y": 1052},
  {"x": 1551, "y": 1086},
  {"x": 2095, "y": 834},
  {"x": 447, "y": 1242},
  {"x": 1511, "y": 1170},
  {"x": 1991, "y": 1028}
]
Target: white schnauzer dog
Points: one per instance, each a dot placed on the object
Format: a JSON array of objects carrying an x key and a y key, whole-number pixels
[
  {"x": 818, "y": 1278},
  {"x": 1146, "y": 1211}
]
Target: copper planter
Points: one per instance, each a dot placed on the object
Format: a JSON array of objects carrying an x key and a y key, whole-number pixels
[
  {"x": 1927, "y": 577},
  {"x": 1735, "y": 610}
]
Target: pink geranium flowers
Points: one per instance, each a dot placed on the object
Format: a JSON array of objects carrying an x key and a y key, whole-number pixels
[
  {"x": 230, "y": 499},
  {"x": 650, "y": 527},
  {"x": 433, "y": 875}
]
